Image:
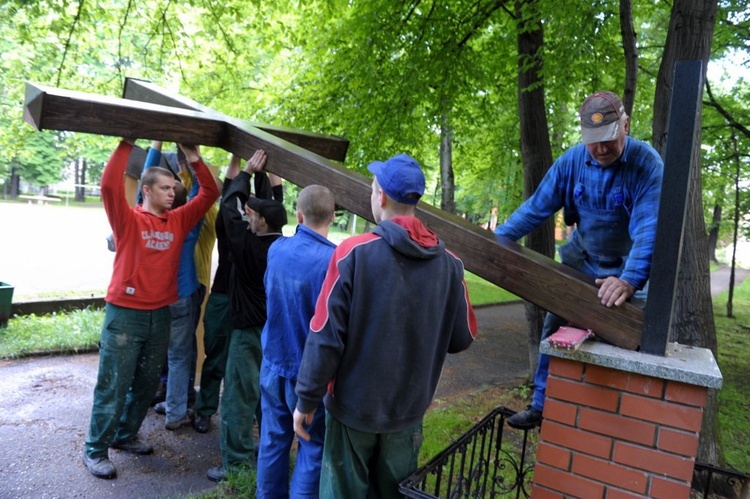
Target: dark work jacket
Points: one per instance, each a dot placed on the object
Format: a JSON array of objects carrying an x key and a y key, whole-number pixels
[
  {"x": 393, "y": 304},
  {"x": 247, "y": 251}
]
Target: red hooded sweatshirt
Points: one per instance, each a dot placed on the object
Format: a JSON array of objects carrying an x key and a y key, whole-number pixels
[{"x": 148, "y": 246}]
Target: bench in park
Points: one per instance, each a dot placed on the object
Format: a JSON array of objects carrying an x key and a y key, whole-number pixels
[{"x": 39, "y": 199}]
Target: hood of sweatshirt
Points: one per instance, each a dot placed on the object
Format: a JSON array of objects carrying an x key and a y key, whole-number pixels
[{"x": 410, "y": 237}]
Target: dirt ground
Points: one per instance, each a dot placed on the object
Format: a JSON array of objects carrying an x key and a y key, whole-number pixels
[{"x": 45, "y": 405}]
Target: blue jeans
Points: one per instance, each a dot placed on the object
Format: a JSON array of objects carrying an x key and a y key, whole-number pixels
[
  {"x": 181, "y": 353},
  {"x": 131, "y": 352},
  {"x": 278, "y": 400}
]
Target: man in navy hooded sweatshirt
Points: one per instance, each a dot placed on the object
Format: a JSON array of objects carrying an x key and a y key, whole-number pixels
[{"x": 393, "y": 304}]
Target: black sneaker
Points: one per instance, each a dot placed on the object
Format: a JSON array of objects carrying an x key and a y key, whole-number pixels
[
  {"x": 133, "y": 446},
  {"x": 100, "y": 467},
  {"x": 527, "y": 419}
]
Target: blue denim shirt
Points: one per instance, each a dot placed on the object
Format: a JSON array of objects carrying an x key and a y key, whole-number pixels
[{"x": 613, "y": 209}]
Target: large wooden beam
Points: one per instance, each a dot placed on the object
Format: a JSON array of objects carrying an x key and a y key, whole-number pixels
[
  {"x": 328, "y": 146},
  {"x": 682, "y": 146},
  {"x": 529, "y": 275}
]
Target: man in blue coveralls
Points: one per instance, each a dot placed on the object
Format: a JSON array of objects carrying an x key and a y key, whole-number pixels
[{"x": 608, "y": 187}]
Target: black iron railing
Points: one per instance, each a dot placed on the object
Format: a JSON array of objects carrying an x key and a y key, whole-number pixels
[
  {"x": 479, "y": 464},
  {"x": 712, "y": 481}
]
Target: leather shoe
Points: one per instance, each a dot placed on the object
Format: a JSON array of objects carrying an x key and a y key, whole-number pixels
[
  {"x": 527, "y": 419},
  {"x": 133, "y": 446},
  {"x": 216, "y": 474},
  {"x": 202, "y": 424},
  {"x": 100, "y": 467}
]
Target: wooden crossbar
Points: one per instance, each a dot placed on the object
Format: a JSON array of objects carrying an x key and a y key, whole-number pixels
[{"x": 533, "y": 277}]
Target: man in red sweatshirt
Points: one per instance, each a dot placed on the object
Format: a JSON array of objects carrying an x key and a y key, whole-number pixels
[{"x": 137, "y": 320}]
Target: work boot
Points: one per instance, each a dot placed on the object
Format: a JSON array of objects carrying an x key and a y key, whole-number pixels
[
  {"x": 527, "y": 419},
  {"x": 217, "y": 474},
  {"x": 133, "y": 446},
  {"x": 160, "y": 408},
  {"x": 185, "y": 420},
  {"x": 202, "y": 424},
  {"x": 100, "y": 467}
]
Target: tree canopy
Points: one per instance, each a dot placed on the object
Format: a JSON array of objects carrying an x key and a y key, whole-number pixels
[{"x": 390, "y": 77}]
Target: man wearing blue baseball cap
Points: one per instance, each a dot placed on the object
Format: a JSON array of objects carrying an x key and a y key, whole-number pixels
[{"x": 393, "y": 304}]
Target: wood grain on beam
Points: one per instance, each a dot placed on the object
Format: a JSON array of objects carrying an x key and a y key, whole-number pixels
[
  {"x": 328, "y": 146},
  {"x": 529, "y": 275},
  {"x": 49, "y": 108}
]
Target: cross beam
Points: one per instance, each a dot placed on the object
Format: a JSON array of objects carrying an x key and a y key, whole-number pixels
[{"x": 552, "y": 286}]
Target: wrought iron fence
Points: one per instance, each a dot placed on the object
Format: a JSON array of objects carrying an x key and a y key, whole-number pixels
[
  {"x": 479, "y": 464},
  {"x": 714, "y": 482}
]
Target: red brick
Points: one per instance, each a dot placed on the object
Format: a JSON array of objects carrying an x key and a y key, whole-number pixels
[
  {"x": 582, "y": 394},
  {"x": 567, "y": 483},
  {"x": 610, "y": 473},
  {"x": 565, "y": 368},
  {"x": 617, "y": 426},
  {"x": 538, "y": 492},
  {"x": 627, "y": 382},
  {"x": 659, "y": 411},
  {"x": 553, "y": 456},
  {"x": 654, "y": 461},
  {"x": 554, "y": 410},
  {"x": 612, "y": 493},
  {"x": 678, "y": 442},
  {"x": 574, "y": 439},
  {"x": 668, "y": 489},
  {"x": 686, "y": 394}
]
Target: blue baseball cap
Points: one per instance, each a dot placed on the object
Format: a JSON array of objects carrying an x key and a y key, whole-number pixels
[{"x": 400, "y": 177}]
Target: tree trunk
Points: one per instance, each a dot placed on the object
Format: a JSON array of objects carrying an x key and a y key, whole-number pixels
[
  {"x": 630, "y": 49},
  {"x": 447, "y": 180},
  {"x": 713, "y": 234},
  {"x": 535, "y": 143},
  {"x": 689, "y": 38},
  {"x": 15, "y": 183},
  {"x": 80, "y": 177}
]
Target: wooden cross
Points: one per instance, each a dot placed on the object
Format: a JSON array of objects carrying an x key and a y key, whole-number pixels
[{"x": 150, "y": 112}]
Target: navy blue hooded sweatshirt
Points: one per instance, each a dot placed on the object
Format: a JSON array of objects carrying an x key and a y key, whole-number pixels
[{"x": 393, "y": 304}]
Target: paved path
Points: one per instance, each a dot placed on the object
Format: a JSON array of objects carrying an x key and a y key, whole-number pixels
[{"x": 45, "y": 405}]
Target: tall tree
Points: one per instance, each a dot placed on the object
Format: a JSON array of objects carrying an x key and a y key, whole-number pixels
[
  {"x": 689, "y": 38},
  {"x": 535, "y": 142}
]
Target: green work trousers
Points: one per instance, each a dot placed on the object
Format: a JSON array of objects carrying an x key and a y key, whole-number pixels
[
  {"x": 360, "y": 464},
  {"x": 241, "y": 398},
  {"x": 132, "y": 350},
  {"x": 216, "y": 331}
]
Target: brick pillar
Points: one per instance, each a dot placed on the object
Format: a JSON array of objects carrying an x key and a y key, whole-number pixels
[{"x": 610, "y": 432}]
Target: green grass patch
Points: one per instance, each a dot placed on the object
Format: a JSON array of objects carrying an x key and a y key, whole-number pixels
[
  {"x": 734, "y": 362},
  {"x": 66, "y": 333},
  {"x": 483, "y": 292}
]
